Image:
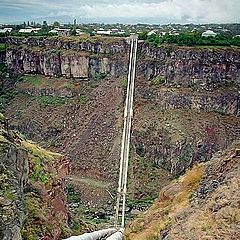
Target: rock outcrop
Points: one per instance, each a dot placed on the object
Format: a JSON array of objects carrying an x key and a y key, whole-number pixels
[
  {"x": 202, "y": 68},
  {"x": 223, "y": 101},
  {"x": 32, "y": 196}
]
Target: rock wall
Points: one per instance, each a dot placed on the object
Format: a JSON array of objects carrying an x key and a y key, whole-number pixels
[
  {"x": 93, "y": 44},
  {"x": 2, "y": 56},
  {"x": 190, "y": 66},
  {"x": 59, "y": 63},
  {"x": 205, "y": 68},
  {"x": 222, "y": 101}
]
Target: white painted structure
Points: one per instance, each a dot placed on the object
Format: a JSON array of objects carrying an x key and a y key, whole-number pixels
[
  {"x": 97, "y": 235},
  {"x": 29, "y": 30},
  {"x": 61, "y": 31},
  {"x": 104, "y": 32},
  {"x": 128, "y": 115},
  {"x": 151, "y": 33},
  {"x": 209, "y": 33},
  {"x": 6, "y": 30}
]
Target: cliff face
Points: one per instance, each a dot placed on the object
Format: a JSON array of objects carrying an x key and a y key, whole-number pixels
[
  {"x": 92, "y": 44},
  {"x": 186, "y": 67},
  {"x": 202, "y": 68},
  {"x": 224, "y": 101},
  {"x": 60, "y": 63},
  {"x": 32, "y": 196}
]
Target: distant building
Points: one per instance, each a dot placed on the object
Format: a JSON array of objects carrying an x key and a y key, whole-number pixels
[
  {"x": 8, "y": 29},
  {"x": 79, "y": 32},
  {"x": 61, "y": 31},
  {"x": 104, "y": 32},
  {"x": 24, "y": 30},
  {"x": 209, "y": 33},
  {"x": 174, "y": 33},
  {"x": 29, "y": 30},
  {"x": 162, "y": 33},
  {"x": 115, "y": 30},
  {"x": 5, "y": 30},
  {"x": 53, "y": 31},
  {"x": 151, "y": 33},
  {"x": 121, "y": 32}
]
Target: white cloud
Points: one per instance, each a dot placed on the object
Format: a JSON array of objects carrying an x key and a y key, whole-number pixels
[
  {"x": 208, "y": 11},
  {"x": 172, "y": 10}
]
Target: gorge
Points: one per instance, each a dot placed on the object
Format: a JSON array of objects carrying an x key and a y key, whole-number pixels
[{"x": 68, "y": 96}]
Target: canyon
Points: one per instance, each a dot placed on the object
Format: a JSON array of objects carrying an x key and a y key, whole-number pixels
[{"x": 69, "y": 95}]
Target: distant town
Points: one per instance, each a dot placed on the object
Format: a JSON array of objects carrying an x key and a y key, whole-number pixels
[
  {"x": 186, "y": 34},
  {"x": 57, "y": 28}
]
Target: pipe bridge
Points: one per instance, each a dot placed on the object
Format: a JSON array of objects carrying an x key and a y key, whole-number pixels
[{"x": 116, "y": 233}]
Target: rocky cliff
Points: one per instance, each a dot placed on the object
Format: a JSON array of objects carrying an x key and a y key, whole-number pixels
[
  {"x": 32, "y": 191},
  {"x": 205, "y": 68},
  {"x": 72, "y": 64}
]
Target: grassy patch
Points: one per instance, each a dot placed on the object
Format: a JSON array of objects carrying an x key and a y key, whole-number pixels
[
  {"x": 100, "y": 76},
  {"x": 157, "y": 81},
  {"x": 40, "y": 161},
  {"x": 83, "y": 99},
  {"x": 3, "y": 47},
  {"x": 172, "y": 200},
  {"x": 49, "y": 100},
  {"x": 123, "y": 82},
  {"x": 34, "y": 80}
]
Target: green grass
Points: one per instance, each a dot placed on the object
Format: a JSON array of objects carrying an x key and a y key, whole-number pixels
[
  {"x": 83, "y": 99},
  {"x": 3, "y": 47},
  {"x": 124, "y": 82},
  {"x": 100, "y": 76},
  {"x": 49, "y": 100},
  {"x": 33, "y": 80},
  {"x": 157, "y": 81},
  {"x": 39, "y": 159}
]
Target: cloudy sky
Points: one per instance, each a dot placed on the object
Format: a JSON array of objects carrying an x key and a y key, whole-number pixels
[{"x": 135, "y": 11}]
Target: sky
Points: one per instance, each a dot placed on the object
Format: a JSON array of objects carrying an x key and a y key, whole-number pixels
[{"x": 123, "y": 11}]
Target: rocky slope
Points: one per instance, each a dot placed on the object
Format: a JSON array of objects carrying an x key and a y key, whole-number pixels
[
  {"x": 203, "y": 203},
  {"x": 32, "y": 192}
]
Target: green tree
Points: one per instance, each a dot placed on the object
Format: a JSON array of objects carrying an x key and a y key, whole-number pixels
[
  {"x": 45, "y": 26},
  {"x": 73, "y": 31},
  {"x": 143, "y": 35},
  {"x": 56, "y": 24}
]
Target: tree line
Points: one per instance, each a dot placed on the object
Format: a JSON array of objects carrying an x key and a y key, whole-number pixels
[{"x": 190, "y": 39}]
